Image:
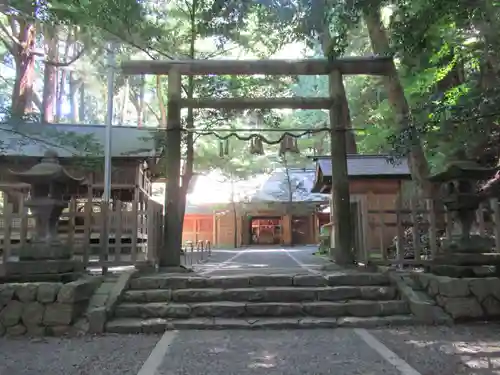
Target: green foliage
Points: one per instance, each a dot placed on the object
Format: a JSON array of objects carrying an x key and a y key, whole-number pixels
[
  {"x": 447, "y": 53},
  {"x": 440, "y": 47}
]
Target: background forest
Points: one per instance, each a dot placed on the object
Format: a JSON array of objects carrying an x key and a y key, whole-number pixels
[{"x": 53, "y": 69}]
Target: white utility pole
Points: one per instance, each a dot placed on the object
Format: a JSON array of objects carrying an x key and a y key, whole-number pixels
[
  {"x": 106, "y": 197},
  {"x": 109, "y": 124}
]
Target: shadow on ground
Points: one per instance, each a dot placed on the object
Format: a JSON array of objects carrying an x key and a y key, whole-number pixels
[{"x": 458, "y": 350}]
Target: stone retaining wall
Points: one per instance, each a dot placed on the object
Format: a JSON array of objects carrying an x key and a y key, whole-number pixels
[
  {"x": 424, "y": 308},
  {"x": 102, "y": 304},
  {"x": 43, "y": 308},
  {"x": 463, "y": 298}
]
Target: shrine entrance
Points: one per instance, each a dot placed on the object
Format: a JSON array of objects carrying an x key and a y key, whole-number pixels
[
  {"x": 336, "y": 103},
  {"x": 301, "y": 230},
  {"x": 265, "y": 230}
]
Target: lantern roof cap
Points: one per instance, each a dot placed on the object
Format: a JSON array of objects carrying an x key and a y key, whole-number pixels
[
  {"x": 47, "y": 170},
  {"x": 463, "y": 169}
]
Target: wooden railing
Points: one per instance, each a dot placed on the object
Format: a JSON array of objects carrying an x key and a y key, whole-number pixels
[
  {"x": 195, "y": 252},
  {"x": 133, "y": 235},
  {"x": 417, "y": 230}
]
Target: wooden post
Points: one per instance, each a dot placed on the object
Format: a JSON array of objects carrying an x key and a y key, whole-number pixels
[
  {"x": 286, "y": 229},
  {"x": 104, "y": 236},
  {"x": 365, "y": 225},
  {"x": 416, "y": 228},
  {"x": 433, "y": 238},
  {"x": 7, "y": 231},
  {"x": 381, "y": 227},
  {"x": 214, "y": 228},
  {"x": 343, "y": 252},
  {"x": 134, "y": 215},
  {"x": 400, "y": 231},
  {"x": 152, "y": 228},
  {"x": 496, "y": 221},
  {"x": 88, "y": 222},
  {"x": 118, "y": 229},
  {"x": 313, "y": 236},
  {"x": 23, "y": 230},
  {"x": 170, "y": 255},
  {"x": 72, "y": 213}
]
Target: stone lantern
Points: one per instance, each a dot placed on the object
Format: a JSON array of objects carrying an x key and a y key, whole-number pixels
[
  {"x": 46, "y": 253},
  {"x": 462, "y": 251}
]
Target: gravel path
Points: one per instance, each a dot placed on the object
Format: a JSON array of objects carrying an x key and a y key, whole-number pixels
[
  {"x": 109, "y": 355},
  {"x": 265, "y": 260},
  {"x": 459, "y": 350},
  {"x": 338, "y": 352}
]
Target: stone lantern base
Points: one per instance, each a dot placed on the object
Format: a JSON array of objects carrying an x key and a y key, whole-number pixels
[
  {"x": 46, "y": 270},
  {"x": 44, "y": 261},
  {"x": 45, "y": 250},
  {"x": 467, "y": 257}
]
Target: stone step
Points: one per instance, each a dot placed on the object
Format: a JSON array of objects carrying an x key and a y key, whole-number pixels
[
  {"x": 269, "y": 294},
  {"x": 159, "y": 325},
  {"x": 227, "y": 309},
  {"x": 182, "y": 281}
]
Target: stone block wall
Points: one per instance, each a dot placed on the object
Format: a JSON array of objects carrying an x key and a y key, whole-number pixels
[
  {"x": 463, "y": 298},
  {"x": 43, "y": 308}
]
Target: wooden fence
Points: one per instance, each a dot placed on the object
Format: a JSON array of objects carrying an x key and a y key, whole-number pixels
[
  {"x": 125, "y": 234},
  {"x": 417, "y": 229}
]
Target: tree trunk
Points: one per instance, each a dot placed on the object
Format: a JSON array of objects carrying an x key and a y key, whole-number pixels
[
  {"x": 81, "y": 107},
  {"x": 486, "y": 19},
  {"x": 140, "y": 108},
  {"x": 123, "y": 108},
  {"x": 136, "y": 97},
  {"x": 417, "y": 162},
  {"x": 74, "y": 85},
  {"x": 61, "y": 92},
  {"x": 24, "y": 58},
  {"x": 50, "y": 74}
]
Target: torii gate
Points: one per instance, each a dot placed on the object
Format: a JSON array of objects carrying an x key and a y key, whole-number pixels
[{"x": 170, "y": 255}]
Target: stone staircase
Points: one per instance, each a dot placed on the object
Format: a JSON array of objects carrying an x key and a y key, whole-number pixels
[{"x": 157, "y": 303}]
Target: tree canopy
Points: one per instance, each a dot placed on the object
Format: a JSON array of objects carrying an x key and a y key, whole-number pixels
[{"x": 447, "y": 54}]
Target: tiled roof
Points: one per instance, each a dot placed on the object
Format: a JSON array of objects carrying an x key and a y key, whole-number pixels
[
  {"x": 367, "y": 165},
  {"x": 33, "y": 139},
  {"x": 260, "y": 189},
  {"x": 275, "y": 188}
]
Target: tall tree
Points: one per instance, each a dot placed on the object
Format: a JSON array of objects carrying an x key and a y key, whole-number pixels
[{"x": 23, "y": 23}]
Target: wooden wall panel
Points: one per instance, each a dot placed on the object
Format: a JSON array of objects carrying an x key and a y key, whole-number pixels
[
  {"x": 374, "y": 186},
  {"x": 382, "y": 227},
  {"x": 198, "y": 228},
  {"x": 225, "y": 231}
]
